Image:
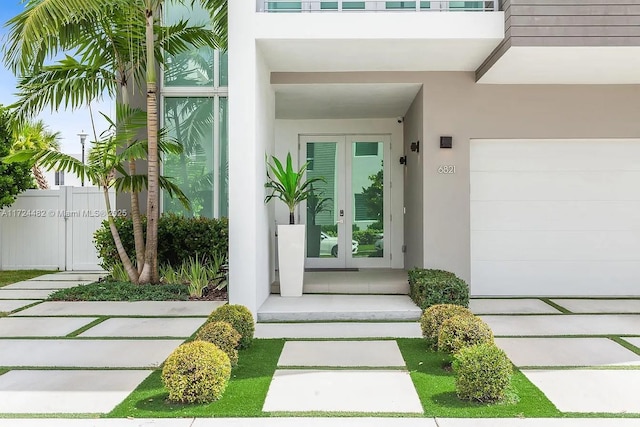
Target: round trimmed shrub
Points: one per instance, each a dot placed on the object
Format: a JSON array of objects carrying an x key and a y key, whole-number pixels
[
  {"x": 433, "y": 317},
  {"x": 240, "y": 318},
  {"x": 463, "y": 331},
  {"x": 196, "y": 372},
  {"x": 222, "y": 335},
  {"x": 483, "y": 373}
]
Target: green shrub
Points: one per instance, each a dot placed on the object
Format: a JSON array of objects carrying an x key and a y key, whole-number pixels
[
  {"x": 240, "y": 318},
  {"x": 178, "y": 239},
  {"x": 463, "y": 331},
  {"x": 431, "y": 287},
  {"x": 222, "y": 335},
  {"x": 118, "y": 273},
  {"x": 483, "y": 373},
  {"x": 433, "y": 317},
  {"x": 367, "y": 237},
  {"x": 196, "y": 372}
]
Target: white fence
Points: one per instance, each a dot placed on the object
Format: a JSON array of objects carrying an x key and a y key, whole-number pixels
[{"x": 52, "y": 229}]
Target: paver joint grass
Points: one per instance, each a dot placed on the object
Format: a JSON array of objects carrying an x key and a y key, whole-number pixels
[{"x": 8, "y": 277}]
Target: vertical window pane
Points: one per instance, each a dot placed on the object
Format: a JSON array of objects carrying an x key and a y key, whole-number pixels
[
  {"x": 224, "y": 159},
  {"x": 195, "y": 67},
  {"x": 224, "y": 69},
  {"x": 190, "y": 122}
]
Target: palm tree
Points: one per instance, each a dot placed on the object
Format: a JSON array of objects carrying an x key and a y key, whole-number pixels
[
  {"x": 104, "y": 167},
  {"x": 108, "y": 41},
  {"x": 36, "y": 136}
]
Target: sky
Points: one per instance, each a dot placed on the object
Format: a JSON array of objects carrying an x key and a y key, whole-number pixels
[{"x": 68, "y": 123}]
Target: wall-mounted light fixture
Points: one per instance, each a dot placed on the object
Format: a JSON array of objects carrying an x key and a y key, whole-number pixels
[
  {"x": 403, "y": 160},
  {"x": 415, "y": 147},
  {"x": 446, "y": 142}
]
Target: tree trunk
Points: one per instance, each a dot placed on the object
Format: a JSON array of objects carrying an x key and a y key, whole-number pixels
[
  {"x": 41, "y": 180},
  {"x": 138, "y": 235},
  {"x": 126, "y": 261},
  {"x": 150, "y": 270}
]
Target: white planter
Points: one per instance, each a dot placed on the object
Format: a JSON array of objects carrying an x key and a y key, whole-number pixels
[{"x": 291, "y": 259}]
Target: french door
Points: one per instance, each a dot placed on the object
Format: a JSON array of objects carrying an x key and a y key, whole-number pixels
[{"x": 348, "y": 214}]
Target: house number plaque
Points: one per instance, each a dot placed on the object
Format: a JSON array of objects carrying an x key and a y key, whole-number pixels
[{"x": 447, "y": 169}]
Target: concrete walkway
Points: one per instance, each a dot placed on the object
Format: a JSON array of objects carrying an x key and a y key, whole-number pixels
[
  {"x": 83, "y": 357},
  {"x": 325, "y": 422},
  {"x": 86, "y": 357}
]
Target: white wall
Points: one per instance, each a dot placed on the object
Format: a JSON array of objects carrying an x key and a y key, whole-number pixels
[
  {"x": 287, "y": 134},
  {"x": 251, "y": 115},
  {"x": 52, "y": 229}
]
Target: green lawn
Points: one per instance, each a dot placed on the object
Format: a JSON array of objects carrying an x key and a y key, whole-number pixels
[
  {"x": 244, "y": 396},
  {"x": 12, "y": 276},
  {"x": 436, "y": 388}
]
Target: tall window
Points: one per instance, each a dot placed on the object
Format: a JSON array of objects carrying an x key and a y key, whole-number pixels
[{"x": 198, "y": 120}]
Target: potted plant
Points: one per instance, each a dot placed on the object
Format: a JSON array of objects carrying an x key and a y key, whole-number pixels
[{"x": 291, "y": 187}]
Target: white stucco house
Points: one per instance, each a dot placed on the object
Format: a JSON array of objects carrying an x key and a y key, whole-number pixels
[{"x": 502, "y": 138}]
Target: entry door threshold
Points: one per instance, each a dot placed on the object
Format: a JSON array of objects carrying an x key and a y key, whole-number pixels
[{"x": 321, "y": 270}]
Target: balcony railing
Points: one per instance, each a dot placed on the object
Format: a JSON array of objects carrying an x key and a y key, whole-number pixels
[{"x": 292, "y": 6}]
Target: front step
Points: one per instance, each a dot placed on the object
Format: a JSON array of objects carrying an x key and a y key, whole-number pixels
[
  {"x": 331, "y": 308},
  {"x": 338, "y": 330}
]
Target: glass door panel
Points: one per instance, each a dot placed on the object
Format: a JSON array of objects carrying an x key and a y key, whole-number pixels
[
  {"x": 284, "y": 6},
  {"x": 367, "y": 198},
  {"x": 323, "y": 216},
  {"x": 466, "y": 5},
  {"x": 401, "y": 5}
]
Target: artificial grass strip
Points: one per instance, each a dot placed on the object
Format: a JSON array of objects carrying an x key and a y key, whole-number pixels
[
  {"x": 12, "y": 276},
  {"x": 122, "y": 291},
  {"x": 436, "y": 389},
  {"x": 244, "y": 396}
]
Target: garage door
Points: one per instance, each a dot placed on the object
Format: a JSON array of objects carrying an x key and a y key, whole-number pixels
[{"x": 555, "y": 217}]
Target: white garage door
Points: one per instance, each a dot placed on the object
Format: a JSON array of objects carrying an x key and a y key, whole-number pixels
[{"x": 555, "y": 217}]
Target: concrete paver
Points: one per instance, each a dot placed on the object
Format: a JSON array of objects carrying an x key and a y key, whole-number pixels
[
  {"x": 41, "y": 326},
  {"x": 566, "y": 352},
  {"x": 315, "y": 422},
  {"x": 583, "y": 390},
  {"x": 71, "y": 276},
  {"x": 121, "y": 422},
  {"x": 117, "y": 308},
  {"x": 341, "y": 353},
  {"x": 76, "y": 353},
  {"x": 579, "y": 324},
  {"x": 538, "y": 422},
  {"x": 339, "y": 330},
  {"x": 510, "y": 306},
  {"x": 600, "y": 305},
  {"x": 49, "y": 284},
  {"x": 34, "y": 294},
  {"x": 343, "y": 390},
  {"x": 10, "y": 305},
  {"x": 51, "y": 391},
  {"x": 145, "y": 327}
]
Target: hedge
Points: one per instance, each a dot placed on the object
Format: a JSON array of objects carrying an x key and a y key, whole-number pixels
[
  {"x": 431, "y": 287},
  {"x": 179, "y": 238}
]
